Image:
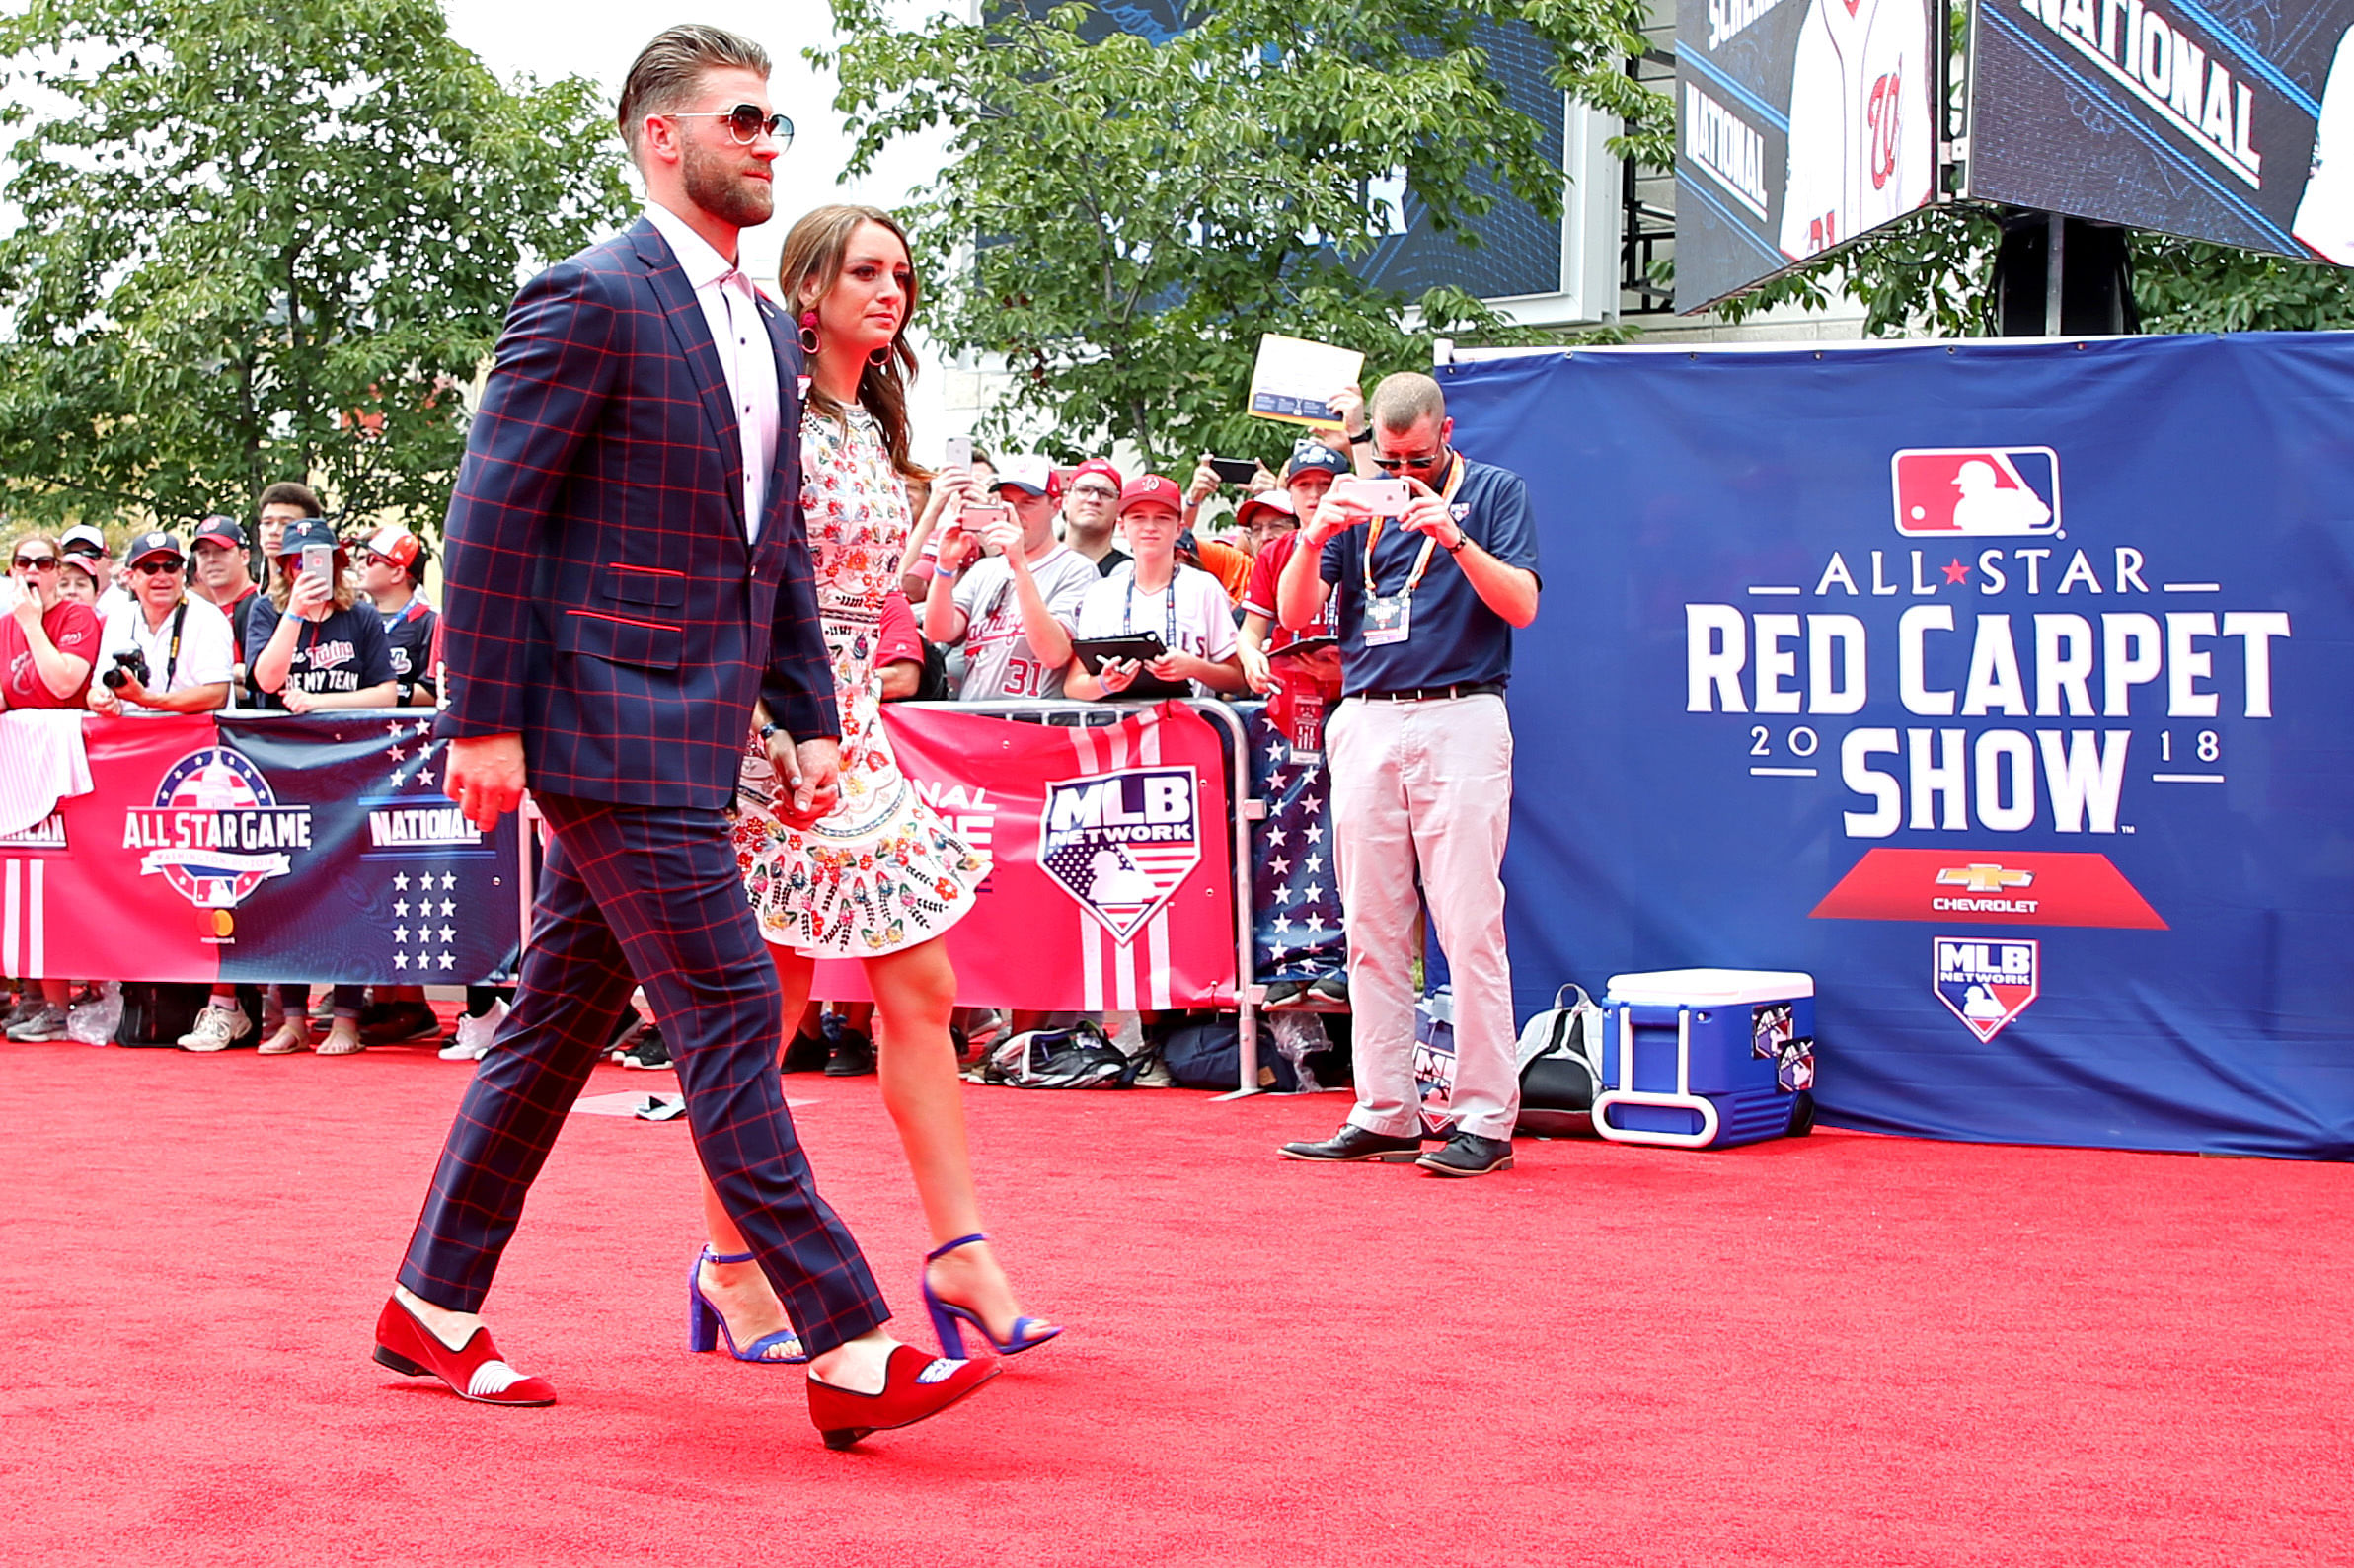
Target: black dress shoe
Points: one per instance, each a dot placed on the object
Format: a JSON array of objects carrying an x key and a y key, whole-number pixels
[
  {"x": 852, "y": 1056},
  {"x": 1469, "y": 1155},
  {"x": 806, "y": 1054},
  {"x": 1355, "y": 1143}
]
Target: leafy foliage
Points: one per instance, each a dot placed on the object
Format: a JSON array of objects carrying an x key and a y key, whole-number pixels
[
  {"x": 1120, "y": 219},
  {"x": 264, "y": 240}
]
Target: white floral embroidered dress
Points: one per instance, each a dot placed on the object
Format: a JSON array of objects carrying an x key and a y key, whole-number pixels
[{"x": 883, "y": 872}]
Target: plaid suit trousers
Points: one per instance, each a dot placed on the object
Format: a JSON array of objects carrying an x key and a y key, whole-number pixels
[{"x": 655, "y": 892}]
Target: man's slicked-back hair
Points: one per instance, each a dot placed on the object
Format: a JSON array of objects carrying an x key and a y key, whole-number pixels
[
  {"x": 668, "y": 72},
  {"x": 1403, "y": 400}
]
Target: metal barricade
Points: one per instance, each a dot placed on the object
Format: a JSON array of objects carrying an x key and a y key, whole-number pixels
[{"x": 1247, "y": 808}]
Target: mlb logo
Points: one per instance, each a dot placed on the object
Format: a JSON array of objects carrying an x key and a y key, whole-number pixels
[
  {"x": 1120, "y": 842},
  {"x": 1985, "y": 983},
  {"x": 1985, "y": 491}
]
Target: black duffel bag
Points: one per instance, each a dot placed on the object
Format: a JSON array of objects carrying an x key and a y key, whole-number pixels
[{"x": 1560, "y": 1066}]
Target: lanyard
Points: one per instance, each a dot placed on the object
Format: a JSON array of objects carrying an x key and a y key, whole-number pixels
[
  {"x": 1373, "y": 532},
  {"x": 171, "y": 658},
  {"x": 1128, "y": 609}
]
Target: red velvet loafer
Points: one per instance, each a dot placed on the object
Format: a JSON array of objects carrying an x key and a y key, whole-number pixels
[
  {"x": 475, "y": 1373},
  {"x": 915, "y": 1387}
]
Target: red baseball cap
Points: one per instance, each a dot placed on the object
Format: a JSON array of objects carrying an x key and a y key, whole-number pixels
[
  {"x": 1278, "y": 501},
  {"x": 1103, "y": 466},
  {"x": 1152, "y": 488},
  {"x": 396, "y": 545}
]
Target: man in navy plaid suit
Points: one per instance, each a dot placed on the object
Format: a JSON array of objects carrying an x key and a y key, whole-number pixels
[{"x": 626, "y": 573}]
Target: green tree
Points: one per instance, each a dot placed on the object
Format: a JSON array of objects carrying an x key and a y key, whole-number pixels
[
  {"x": 1120, "y": 219},
  {"x": 268, "y": 239}
]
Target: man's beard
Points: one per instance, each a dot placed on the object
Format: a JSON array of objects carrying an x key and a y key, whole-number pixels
[{"x": 714, "y": 186}]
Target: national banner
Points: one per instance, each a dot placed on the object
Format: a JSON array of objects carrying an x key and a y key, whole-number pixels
[
  {"x": 2001, "y": 687},
  {"x": 1112, "y": 882},
  {"x": 260, "y": 849}
]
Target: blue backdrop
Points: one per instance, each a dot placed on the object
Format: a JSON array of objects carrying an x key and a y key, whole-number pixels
[{"x": 2003, "y": 687}]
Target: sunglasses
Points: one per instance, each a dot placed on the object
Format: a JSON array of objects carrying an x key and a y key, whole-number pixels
[
  {"x": 1418, "y": 464},
  {"x": 150, "y": 569},
  {"x": 746, "y": 121},
  {"x": 1096, "y": 492},
  {"x": 37, "y": 562}
]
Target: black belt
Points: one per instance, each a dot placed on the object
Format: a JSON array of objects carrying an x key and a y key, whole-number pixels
[{"x": 1424, "y": 694}]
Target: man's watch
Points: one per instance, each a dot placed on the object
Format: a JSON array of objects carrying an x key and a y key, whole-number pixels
[
  {"x": 1461, "y": 538},
  {"x": 1361, "y": 437},
  {"x": 766, "y": 732}
]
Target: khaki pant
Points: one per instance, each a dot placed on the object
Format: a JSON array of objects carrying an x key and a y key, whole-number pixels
[{"x": 1427, "y": 784}]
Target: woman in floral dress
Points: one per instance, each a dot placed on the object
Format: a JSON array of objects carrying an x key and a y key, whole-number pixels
[{"x": 882, "y": 878}]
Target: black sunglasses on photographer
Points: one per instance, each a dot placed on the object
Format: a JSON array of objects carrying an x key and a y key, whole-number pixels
[
  {"x": 1420, "y": 465},
  {"x": 745, "y": 122}
]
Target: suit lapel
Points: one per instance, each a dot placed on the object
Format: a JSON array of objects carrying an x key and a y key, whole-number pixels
[
  {"x": 783, "y": 481},
  {"x": 692, "y": 331}
]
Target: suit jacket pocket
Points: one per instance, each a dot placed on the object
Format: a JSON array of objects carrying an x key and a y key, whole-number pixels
[
  {"x": 658, "y": 587},
  {"x": 621, "y": 640}
]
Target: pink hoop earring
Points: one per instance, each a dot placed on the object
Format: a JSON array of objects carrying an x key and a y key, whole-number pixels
[
  {"x": 808, "y": 331},
  {"x": 880, "y": 357}
]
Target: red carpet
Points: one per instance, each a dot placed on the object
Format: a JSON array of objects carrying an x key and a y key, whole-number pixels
[{"x": 1839, "y": 1349}]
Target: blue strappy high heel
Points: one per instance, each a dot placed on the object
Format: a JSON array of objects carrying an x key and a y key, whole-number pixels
[
  {"x": 1025, "y": 1334},
  {"x": 706, "y": 1328}
]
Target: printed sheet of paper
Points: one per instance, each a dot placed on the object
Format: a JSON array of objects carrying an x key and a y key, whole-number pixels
[{"x": 1294, "y": 377}]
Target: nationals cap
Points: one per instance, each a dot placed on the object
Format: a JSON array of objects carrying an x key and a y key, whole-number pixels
[
  {"x": 1033, "y": 474},
  {"x": 1150, "y": 488},
  {"x": 223, "y": 531},
  {"x": 150, "y": 545},
  {"x": 1276, "y": 501}
]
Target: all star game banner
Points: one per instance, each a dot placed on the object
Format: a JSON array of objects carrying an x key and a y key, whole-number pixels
[
  {"x": 2228, "y": 121},
  {"x": 1112, "y": 882},
  {"x": 260, "y": 849},
  {"x": 2005, "y": 688}
]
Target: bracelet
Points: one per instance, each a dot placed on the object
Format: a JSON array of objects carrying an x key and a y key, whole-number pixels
[
  {"x": 1361, "y": 437},
  {"x": 938, "y": 571},
  {"x": 1461, "y": 538},
  {"x": 767, "y": 730}
]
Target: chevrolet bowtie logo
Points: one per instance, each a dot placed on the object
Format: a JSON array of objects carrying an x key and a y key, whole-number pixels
[{"x": 1984, "y": 878}]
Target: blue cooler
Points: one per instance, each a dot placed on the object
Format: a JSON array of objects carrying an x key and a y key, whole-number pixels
[{"x": 1707, "y": 1058}]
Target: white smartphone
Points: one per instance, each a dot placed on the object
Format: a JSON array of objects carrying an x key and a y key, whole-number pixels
[
  {"x": 1382, "y": 497},
  {"x": 959, "y": 451}
]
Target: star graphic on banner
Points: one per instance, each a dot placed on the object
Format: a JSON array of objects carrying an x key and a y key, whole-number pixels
[
  {"x": 1279, "y": 865},
  {"x": 401, "y": 908},
  {"x": 1275, "y": 837},
  {"x": 393, "y": 777},
  {"x": 401, "y": 881},
  {"x": 424, "y": 775},
  {"x": 1282, "y": 923},
  {"x": 394, "y": 729},
  {"x": 399, "y": 933},
  {"x": 450, "y": 879},
  {"x": 1312, "y": 864},
  {"x": 1314, "y": 891},
  {"x": 1283, "y": 895},
  {"x": 1955, "y": 571},
  {"x": 1315, "y": 833},
  {"x": 1315, "y": 924},
  {"x": 1311, "y": 806},
  {"x": 399, "y": 960},
  {"x": 399, "y": 754},
  {"x": 1274, "y": 783},
  {"x": 449, "y": 906},
  {"x": 448, "y": 935},
  {"x": 1276, "y": 748}
]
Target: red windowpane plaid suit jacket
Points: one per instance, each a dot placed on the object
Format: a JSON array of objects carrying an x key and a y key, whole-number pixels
[{"x": 602, "y": 601}]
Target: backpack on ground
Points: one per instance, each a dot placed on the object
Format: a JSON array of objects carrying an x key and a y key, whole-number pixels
[{"x": 1560, "y": 1060}]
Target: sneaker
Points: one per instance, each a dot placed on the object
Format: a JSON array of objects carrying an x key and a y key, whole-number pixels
[
  {"x": 391, "y": 1022},
  {"x": 1284, "y": 992},
  {"x": 24, "y": 1009},
  {"x": 1469, "y": 1155},
  {"x": 1330, "y": 988},
  {"x": 217, "y": 1028},
  {"x": 472, "y": 1039},
  {"x": 853, "y": 1055},
  {"x": 48, "y": 1024},
  {"x": 649, "y": 1051}
]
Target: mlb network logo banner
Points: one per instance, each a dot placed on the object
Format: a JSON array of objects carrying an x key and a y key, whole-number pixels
[
  {"x": 2004, "y": 491},
  {"x": 1985, "y": 984},
  {"x": 1119, "y": 843}
]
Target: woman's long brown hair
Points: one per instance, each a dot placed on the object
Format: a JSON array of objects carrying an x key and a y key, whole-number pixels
[{"x": 811, "y": 264}]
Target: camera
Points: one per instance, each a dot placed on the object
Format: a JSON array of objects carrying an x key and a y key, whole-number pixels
[{"x": 129, "y": 665}]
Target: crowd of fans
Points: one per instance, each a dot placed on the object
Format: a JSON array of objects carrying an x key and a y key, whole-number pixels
[{"x": 1013, "y": 568}]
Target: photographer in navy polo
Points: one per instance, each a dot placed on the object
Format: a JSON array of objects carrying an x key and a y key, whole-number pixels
[{"x": 1426, "y": 589}]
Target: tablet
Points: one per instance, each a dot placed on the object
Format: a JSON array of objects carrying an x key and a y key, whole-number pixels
[{"x": 1143, "y": 648}]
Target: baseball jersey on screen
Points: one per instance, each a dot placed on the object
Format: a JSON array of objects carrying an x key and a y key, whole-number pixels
[{"x": 1861, "y": 152}]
